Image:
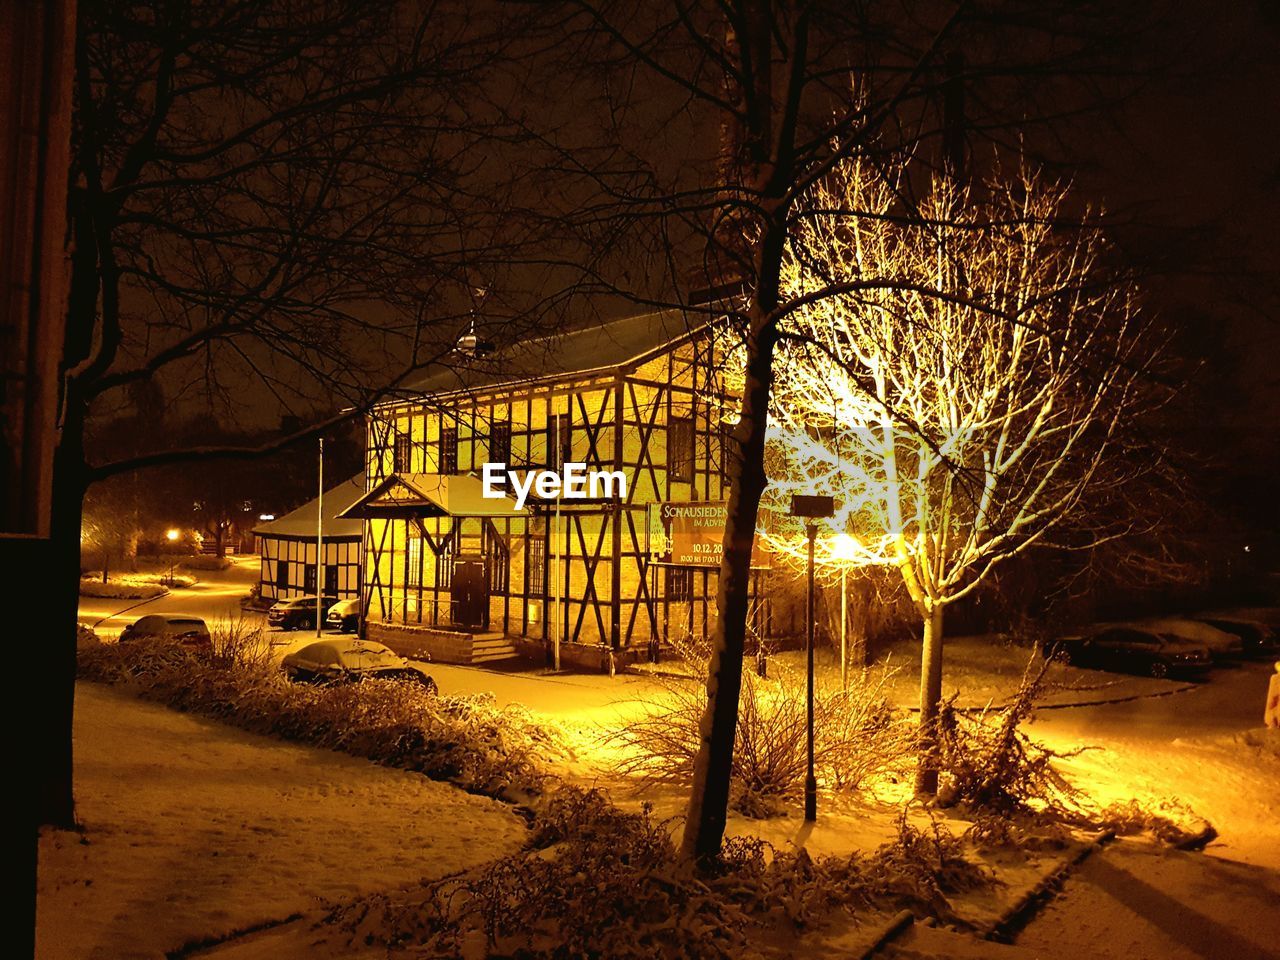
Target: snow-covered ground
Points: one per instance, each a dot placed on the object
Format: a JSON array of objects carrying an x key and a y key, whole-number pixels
[
  {"x": 215, "y": 595},
  {"x": 194, "y": 829}
]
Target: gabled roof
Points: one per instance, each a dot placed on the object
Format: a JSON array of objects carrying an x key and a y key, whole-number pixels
[
  {"x": 302, "y": 522},
  {"x": 600, "y": 347},
  {"x": 430, "y": 495}
]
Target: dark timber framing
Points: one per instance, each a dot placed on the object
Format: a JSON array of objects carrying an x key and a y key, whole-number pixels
[{"x": 619, "y": 417}]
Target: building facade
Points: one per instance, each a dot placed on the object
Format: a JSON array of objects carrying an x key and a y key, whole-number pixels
[
  {"x": 289, "y": 546},
  {"x": 644, "y": 397}
]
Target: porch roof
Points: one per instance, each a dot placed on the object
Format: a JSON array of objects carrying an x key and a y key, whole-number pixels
[{"x": 418, "y": 495}]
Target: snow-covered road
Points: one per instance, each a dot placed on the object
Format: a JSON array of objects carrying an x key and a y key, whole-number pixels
[
  {"x": 215, "y": 596},
  {"x": 194, "y": 829}
]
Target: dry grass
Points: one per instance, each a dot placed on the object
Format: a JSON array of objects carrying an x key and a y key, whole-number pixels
[{"x": 858, "y": 736}]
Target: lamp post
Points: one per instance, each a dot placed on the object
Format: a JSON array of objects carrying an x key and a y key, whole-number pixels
[
  {"x": 172, "y": 536},
  {"x": 844, "y": 552},
  {"x": 811, "y": 508}
]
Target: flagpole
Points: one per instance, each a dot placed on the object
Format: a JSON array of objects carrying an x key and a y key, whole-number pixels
[{"x": 320, "y": 546}]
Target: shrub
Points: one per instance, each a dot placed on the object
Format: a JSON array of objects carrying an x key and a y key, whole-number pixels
[
  {"x": 989, "y": 763},
  {"x": 468, "y": 741},
  {"x": 858, "y": 736},
  {"x": 613, "y": 886},
  {"x": 239, "y": 642}
]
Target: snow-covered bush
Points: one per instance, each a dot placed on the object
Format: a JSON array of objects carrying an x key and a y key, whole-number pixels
[
  {"x": 469, "y": 741},
  {"x": 86, "y": 637},
  {"x": 120, "y": 589},
  {"x": 238, "y": 641},
  {"x": 987, "y": 762},
  {"x": 858, "y": 736},
  {"x": 612, "y": 885}
]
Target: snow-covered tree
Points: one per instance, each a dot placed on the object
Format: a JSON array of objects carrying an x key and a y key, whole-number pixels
[{"x": 960, "y": 412}]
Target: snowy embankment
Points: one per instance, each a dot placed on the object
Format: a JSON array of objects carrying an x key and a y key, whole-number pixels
[
  {"x": 193, "y": 829},
  {"x": 121, "y": 589}
]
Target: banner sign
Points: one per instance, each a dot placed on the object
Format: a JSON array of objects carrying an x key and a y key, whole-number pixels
[{"x": 691, "y": 533}]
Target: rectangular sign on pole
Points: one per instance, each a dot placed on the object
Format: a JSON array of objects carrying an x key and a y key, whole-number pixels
[{"x": 691, "y": 533}]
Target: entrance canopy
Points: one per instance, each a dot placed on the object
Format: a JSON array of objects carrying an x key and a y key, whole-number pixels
[{"x": 407, "y": 496}]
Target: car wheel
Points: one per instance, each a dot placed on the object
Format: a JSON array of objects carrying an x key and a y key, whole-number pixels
[
  {"x": 1061, "y": 655},
  {"x": 1159, "y": 669}
]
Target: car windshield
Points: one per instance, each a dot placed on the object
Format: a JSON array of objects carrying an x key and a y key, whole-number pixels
[{"x": 318, "y": 653}]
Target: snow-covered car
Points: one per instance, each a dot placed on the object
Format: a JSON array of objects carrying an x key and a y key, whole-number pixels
[
  {"x": 344, "y": 616},
  {"x": 1259, "y": 639},
  {"x": 1130, "y": 650},
  {"x": 349, "y": 660},
  {"x": 190, "y": 633},
  {"x": 1218, "y": 642},
  {"x": 298, "y": 613}
]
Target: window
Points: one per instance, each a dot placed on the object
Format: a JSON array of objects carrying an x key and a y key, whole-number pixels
[
  {"x": 282, "y": 575},
  {"x": 500, "y": 442},
  {"x": 414, "y": 560},
  {"x": 331, "y": 579},
  {"x": 309, "y": 573},
  {"x": 679, "y": 583},
  {"x": 403, "y": 453},
  {"x": 449, "y": 450},
  {"x": 535, "y": 567},
  {"x": 680, "y": 448},
  {"x": 559, "y": 440},
  {"x": 726, "y": 448}
]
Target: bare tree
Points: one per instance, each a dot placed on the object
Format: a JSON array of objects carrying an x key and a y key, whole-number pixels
[
  {"x": 966, "y": 414},
  {"x": 269, "y": 199},
  {"x": 792, "y": 89}
]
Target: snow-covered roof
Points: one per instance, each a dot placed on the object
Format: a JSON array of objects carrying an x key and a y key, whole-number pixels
[
  {"x": 601, "y": 346},
  {"x": 302, "y": 522},
  {"x": 431, "y": 495}
]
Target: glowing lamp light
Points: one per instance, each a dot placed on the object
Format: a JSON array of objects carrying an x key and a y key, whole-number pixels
[
  {"x": 845, "y": 547},
  {"x": 266, "y": 516},
  {"x": 172, "y": 535}
]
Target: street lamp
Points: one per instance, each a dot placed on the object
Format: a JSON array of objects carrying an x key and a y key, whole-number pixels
[
  {"x": 172, "y": 535},
  {"x": 811, "y": 509},
  {"x": 845, "y": 550}
]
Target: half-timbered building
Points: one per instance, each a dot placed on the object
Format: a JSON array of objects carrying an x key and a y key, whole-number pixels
[
  {"x": 289, "y": 547},
  {"x": 468, "y": 577}
]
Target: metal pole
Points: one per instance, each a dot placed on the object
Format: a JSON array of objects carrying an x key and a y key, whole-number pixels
[
  {"x": 810, "y": 781},
  {"x": 320, "y": 546},
  {"x": 559, "y": 617},
  {"x": 844, "y": 618}
]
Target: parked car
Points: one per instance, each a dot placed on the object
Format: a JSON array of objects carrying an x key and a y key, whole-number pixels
[
  {"x": 298, "y": 613},
  {"x": 1131, "y": 650},
  {"x": 1219, "y": 642},
  {"x": 1259, "y": 639},
  {"x": 344, "y": 616},
  {"x": 191, "y": 633},
  {"x": 349, "y": 660}
]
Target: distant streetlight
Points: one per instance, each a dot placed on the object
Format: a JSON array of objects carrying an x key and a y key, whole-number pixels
[
  {"x": 811, "y": 509},
  {"x": 173, "y": 535},
  {"x": 846, "y": 548}
]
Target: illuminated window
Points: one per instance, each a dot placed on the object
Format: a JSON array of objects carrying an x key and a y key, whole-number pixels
[
  {"x": 536, "y": 567},
  {"x": 414, "y": 559},
  {"x": 559, "y": 440},
  {"x": 403, "y": 453},
  {"x": 680, "y": 448},
  {"x": 449, "y": 450},
  {"x": 500, "y": 442},
  {"x": 679, "y": 583}
]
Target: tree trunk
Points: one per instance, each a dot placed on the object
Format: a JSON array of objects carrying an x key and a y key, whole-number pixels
[
  {"x": 709, "y": 799},
  {"x": 930, "y": 696},
  {"x": 56, "y": 704}
]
